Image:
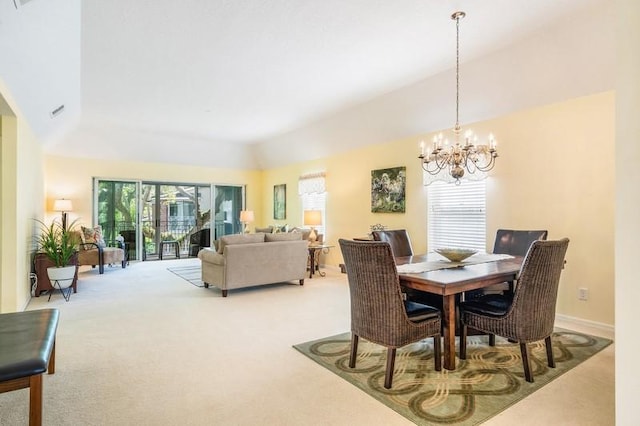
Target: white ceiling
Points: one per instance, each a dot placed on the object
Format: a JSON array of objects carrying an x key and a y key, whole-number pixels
[{"x": 154, "y": 77}]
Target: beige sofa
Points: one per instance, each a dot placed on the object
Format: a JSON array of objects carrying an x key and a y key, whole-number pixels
[{"x": 246, "y": 260}]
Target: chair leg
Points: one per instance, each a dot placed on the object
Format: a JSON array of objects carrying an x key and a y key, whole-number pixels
[
  {"x": 354, "y": 350},
  {"x": 437, "y": 352},
  {"x": 550, "y": 360},
  {"x": 492, "y": 339},
  {"x": 524, "y": 350},
  {"x": 463, "y": 341},
  {"x": 391, "y": 359}
]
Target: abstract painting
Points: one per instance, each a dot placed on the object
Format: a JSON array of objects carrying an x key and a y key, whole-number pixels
[
  {"x": 388, "y": 190},
  {"x": 280, "y": 201}
]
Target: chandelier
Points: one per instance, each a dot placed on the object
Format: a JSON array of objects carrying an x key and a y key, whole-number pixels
[{"x": 464, "y": 154}]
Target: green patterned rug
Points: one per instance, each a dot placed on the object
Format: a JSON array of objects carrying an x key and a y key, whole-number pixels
[{"x": 488, "y": 382}]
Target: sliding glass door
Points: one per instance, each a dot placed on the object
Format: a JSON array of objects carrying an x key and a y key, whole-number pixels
[
  {"x": 173, "y": 212},
  {"x": 228, "y": 204},
  {"x": 148, "y": 213},
  {"x": 117, "y": 211}
]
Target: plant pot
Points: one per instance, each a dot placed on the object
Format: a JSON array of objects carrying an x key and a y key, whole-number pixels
[{"x": 63, "y": 275}]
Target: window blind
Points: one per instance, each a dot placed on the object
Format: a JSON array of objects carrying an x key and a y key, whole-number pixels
[{"x": 457, "y": 215}]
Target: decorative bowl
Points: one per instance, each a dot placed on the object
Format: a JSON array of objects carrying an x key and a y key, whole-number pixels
[{"x": 455, "y": 254}]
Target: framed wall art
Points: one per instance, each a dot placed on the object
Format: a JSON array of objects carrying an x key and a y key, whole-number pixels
[
  {"x": 280, "y": 201},
  {"x": 388, "y": 190}
]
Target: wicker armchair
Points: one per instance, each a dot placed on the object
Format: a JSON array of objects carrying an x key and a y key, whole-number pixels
[
  {"x": 400, "y": 244},
  {"x": 378, "y": 312},
  {"x": 529, "y": 314},
  {"x": 515, "y": 243},
  {"x": 199, "y": 240}
]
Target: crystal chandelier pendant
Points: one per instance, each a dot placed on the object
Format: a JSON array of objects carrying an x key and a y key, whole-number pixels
[{"x": 451, "y": 161}]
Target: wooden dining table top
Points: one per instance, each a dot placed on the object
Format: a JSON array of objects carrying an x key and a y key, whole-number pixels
[
  {"x": 450, "y": 281},
  {"x": 459, "y": 279}
]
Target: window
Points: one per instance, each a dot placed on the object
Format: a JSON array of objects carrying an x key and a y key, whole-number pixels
[
  {"x": 457, "y": 215},
  {"x": 311, "y": 189}
]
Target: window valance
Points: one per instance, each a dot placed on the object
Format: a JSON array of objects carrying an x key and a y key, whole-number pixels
[{"x": 312, "y": 183}]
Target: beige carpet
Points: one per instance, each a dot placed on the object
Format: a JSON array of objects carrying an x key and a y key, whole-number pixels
[{"x": 141, "y": 346}]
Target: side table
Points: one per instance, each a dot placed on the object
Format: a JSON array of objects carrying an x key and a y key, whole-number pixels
[
  {"x": 174, "y": 244},
  {"x": 314, "y": 253}
]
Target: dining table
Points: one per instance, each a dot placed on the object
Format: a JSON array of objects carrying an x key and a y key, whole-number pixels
[{"x": 435, "y": 275}]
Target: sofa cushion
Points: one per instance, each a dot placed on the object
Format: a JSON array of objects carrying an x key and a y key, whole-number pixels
[
  {"x": 92, "y": 236},
  {"x": 267, "y": 230},
  {"x": 239, "y": 239},
  {"x": 304, "y": 232},
  {"x": 282, "y": 237}
]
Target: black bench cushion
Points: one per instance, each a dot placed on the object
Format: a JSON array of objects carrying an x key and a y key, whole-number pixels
[{"x": 26, "y": 342}]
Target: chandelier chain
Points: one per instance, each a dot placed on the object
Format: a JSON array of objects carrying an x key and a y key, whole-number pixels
[{"x": 457, "y": 17}]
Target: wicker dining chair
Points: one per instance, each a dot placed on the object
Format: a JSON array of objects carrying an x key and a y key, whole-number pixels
[
  {"x": 378, "y": 311},
  {"x": 529, "y": 314},
  {"x": 515, "y": 242}
]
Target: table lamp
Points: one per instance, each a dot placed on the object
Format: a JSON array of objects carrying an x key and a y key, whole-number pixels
[
  {"x": 246, "y": 217},
  {"x": 313, "y": 218},
  {"x": 63, "y": 206}
]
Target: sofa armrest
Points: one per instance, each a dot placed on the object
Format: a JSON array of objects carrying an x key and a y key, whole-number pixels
[{"x": 210, "y": 256}]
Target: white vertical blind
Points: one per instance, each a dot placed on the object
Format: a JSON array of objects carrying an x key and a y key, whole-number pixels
[{"x": 457, "y": 215}]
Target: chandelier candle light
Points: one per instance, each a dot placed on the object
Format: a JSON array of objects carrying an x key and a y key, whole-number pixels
[{"x": 464, "y": 153}]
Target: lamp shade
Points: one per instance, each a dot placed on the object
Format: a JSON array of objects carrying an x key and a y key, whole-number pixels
[
  {"x": 246, "y": 216},
  {"x": 62, "y": 205},
  {"x": 313, "y": 217}
]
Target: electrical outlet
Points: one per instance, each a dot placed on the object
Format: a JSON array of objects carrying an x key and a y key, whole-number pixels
[{"x": 583, "y": 294}]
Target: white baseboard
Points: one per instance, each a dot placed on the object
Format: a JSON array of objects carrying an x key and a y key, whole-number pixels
[{"x": 567, "y": 321}]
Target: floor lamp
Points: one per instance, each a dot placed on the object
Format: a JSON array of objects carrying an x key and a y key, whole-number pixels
[{"x": 63, "y": 206}]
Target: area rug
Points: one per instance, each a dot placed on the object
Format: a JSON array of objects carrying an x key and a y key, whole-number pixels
[
  {"x": 490, "y": 380},
  {"x": 192, "y": 274}
]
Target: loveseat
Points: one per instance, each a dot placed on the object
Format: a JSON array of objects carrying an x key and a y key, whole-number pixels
[{"x": 246, "y": 260}]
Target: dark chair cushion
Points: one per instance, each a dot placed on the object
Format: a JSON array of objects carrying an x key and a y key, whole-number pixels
[
  {"x": 417, "y": 312},
  {"x": 494, "y": 305}
]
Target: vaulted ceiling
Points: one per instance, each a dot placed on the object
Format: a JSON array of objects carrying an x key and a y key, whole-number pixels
[{"x": 209, "y": 82}]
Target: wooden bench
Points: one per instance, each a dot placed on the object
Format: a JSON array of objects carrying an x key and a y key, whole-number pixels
[{"x": 27, "y": 350}]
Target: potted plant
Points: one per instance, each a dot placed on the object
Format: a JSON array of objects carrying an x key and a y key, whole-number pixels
[{"x": 59, "y": 245}]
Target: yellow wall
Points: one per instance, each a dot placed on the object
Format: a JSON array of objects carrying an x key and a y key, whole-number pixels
[
  {"x": 20, "y": 203},
  {"x": 555, "y": 172},
  {"x": 627, "y": 207},
  {"x": 72, "y": 178}
]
